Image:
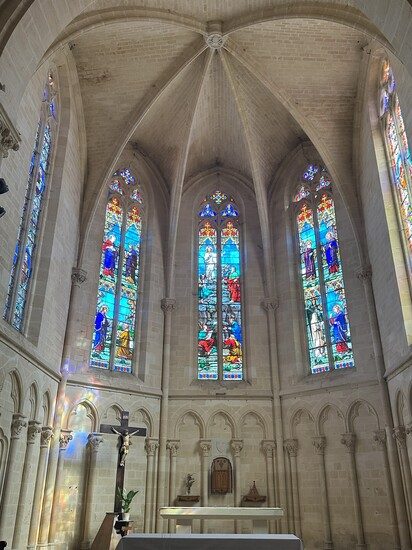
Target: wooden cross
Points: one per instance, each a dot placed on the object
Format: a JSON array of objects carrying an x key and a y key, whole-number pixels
[{"x": 124, "y": 430}]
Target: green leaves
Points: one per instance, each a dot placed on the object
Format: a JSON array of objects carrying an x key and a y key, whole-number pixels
[{"x": 125, "y": 498}]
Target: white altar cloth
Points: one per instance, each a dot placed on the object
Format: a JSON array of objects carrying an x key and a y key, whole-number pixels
[{"x": 151, "y": 541}]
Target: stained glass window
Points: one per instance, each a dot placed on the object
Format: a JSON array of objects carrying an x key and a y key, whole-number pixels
[
  {"x": 326, "y": 317},
  {"x": 220, "y": 341},
  {"x": 115, "y": 319},
  {"x": 399, "y": 156},
  {"x": 24, "y": 257}
]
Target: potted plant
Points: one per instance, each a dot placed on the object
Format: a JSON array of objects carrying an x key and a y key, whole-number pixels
[{"x": 126, "y": 500}]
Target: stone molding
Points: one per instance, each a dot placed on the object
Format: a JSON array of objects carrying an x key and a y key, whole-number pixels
[
  {"x": 168, "y": 304},
  {"x": 215, "y": 40},
  {"x": 93, "y": 441},
  {"x": 151, "y": 445},
  {"x": 291, "y": 445},
  {"x": 236, "y": 445},
  {"x": 9, "y": 136},
  {"x": 349, "y": 440},
  {"x": 46, "y": 435},
  {"x": 268, "y": 447},
  {"x": 364, "y": 273},
  {"x": 173, "y": 446},
  {"x": 17, "y": 424},
  {"x": 205, "y": 446},
  {"x": 270, "y": 303},
  {"x": 319, "y": 442},
  {"x": 79, "y": 276},
  {"x": 399, "y": 434},
  {"x": 33, "y": 429},
  {"x": 65, "y": 437},
  {"x": 380, "y": 437}
]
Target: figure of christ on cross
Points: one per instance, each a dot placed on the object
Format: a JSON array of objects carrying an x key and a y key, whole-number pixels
[{"x": 125, "y": 432}]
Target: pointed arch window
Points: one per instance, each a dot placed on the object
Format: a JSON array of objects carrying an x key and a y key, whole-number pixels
[
  {"x": 115, "y": 319},
  {"x": 220, "y": 340},
  {"x": 323, "y": 293},
  {"x": 24, "y": 257},
  {"x": 399, "y": 157}
]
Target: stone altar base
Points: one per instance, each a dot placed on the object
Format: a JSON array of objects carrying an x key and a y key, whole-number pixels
[{"x": 209, "y": 542}]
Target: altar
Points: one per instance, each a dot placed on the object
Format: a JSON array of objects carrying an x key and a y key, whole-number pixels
[
  {"x": 184, "y": 516},
  {"x": 151, "y": 541}
]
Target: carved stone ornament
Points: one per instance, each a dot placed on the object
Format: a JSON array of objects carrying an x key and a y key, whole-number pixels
[
  {"x": 364, "y": 273},
  {"x": 17, "y": 424},
  {"x": 215, "y": 40},
  {"x": 168, "y": 304},
  {"x": 319, "y": 442},
  {"x": 9, "y": 137},
  {"x": 291, "y": 445},
  {"x": 65, "y": 437},
  {"x": 270, "y": 303},
  {"x": 380, "y": 437},
  {"x": 349, "y": 440},
  {"x": 173, "y": 446},
  {"x": 399, "y": 433},
  {"x": 46, "y": 435},
  {"x": 253, "y": 495},
  {"x": 236, "y": 446},
  {"x": 94, "y": 440},
  {"x": 33, "y": 429},
  {"x": 151, "y": 445},
  {"x": 205, "y": 447},
  {"x": 79, "y": 276},
  {"x": 268, "y": 447}
]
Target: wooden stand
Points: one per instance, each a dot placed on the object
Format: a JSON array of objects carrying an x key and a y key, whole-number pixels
[{"x": 111, "y": 532}]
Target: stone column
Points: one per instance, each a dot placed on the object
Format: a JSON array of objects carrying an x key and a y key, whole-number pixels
[
  {"x": 54, "y": 453},
  {"x": 17, "y": 424},
  {"x": 173, "y": 447},
  {"x": 24, "y": 497},
  {"x": 9, "y": 136},
  {"x": 205, "y": 448},
  {"x": 364, "y": 274},
  {"x": 399, "y": 434},
  {"x": 151, "y": 445},
  {"x": 319, "y": 443},
  {"x": 167, "y": 305},
  {"x": 237, "y": 446},
  {"x": 45, "y": 436},
  {"x": 380, "y": 437},
  {"x": 93, "y": 442},
  {"x": 291, "y": 445},
  {"x": 349, "y": 440},
  {"x": 64, "y": 440},
  {"x": 269, "y": 449}
]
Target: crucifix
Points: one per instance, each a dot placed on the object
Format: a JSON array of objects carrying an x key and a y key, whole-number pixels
[{"x": 125, "y": 432}]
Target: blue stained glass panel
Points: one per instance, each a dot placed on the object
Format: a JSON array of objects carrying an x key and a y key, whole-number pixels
[
  {"x": 207, "y": 212},
  {"x": 230, "y": 211}
]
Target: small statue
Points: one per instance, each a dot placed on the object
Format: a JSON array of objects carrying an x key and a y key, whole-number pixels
[
  {"x": 124, "y": 448},
  {"x": 189, "y": 482}
]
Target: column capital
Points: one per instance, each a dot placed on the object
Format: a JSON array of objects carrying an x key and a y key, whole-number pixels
[
  {"x": 33, "y": 429},
  {"x": 399, "y": 434},
  {"x": 173, "y": 446},
  {"x": 380, "y": 437},
  {"x": 45, "y": 436},
  {"x": 151, "y": 445},
  {"x": 79, "y": 276},
  {"x": 268, "y": 447},
  {"x": 349, "y": 440},
  {"x": 291, "y": 445},
  {"x": 93, "y": 441},
  {"x": 9, "y": 136},
  {"x": 205, "y": 446},
  {"x": 408, "y": 429},
  {"x": 17, "y": 424},
  {"x": 167, "y": 305},
  {"x": 270, "y": 303},
  {"x": 236, "y": 445},
  {"x": 319, "y": 442},
  {"x": 364, "y": 273},
  {"x": 65, "y": 437}
]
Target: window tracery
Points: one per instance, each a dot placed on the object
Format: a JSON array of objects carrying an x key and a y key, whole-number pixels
[
  {"x": 24, "y": 257},
  {"x": 326, "y": 320},
  {"x": 220, "y": 340},
  {"x": 115, "y": 320}
]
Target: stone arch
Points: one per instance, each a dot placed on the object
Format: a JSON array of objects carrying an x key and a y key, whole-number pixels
[
  {"x": 198, "y": 420},
  {"x": 90, "y": 415},
  {"x": 33, "y": 401},
  {"x": 4, "y": 446},
  {"x": 297, "y": 417},
  {"x": 227, "y": 419},
  {"x": 400, "y": 408},
  {"x": 353, "y": 412},
  {"x": 16, "y": 390},
  {"x": 323, "y": 416},
  {"x": 113, "y": 413},
  {"x": 259, "y": 419},
  {"x": 45, "y": 412},
  {"x": 146, "y": 418}
]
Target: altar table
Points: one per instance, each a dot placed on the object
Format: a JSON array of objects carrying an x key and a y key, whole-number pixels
[
  {"x": 184, "y": 516},
  {"x": 151, "y": 541}
]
